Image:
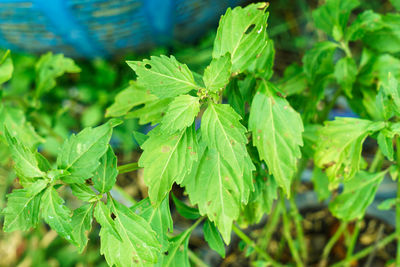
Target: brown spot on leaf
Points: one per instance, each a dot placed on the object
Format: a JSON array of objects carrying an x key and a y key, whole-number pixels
[{"x": 165, "y": 149}]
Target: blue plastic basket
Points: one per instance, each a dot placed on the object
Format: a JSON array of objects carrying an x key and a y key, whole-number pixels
[{"x": 89, "y": 28}]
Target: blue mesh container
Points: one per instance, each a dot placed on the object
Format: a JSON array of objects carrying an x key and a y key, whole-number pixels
[{"x": 91, "y": 28}]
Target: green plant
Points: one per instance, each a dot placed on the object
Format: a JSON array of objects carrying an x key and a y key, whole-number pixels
[{"x": 235, "y": 138}]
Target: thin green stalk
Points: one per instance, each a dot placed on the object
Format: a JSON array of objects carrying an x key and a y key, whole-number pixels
[
  {"x": 332, "y": 241},
  {"x": 366, "y": 251},
  {"x": 295, "y": 214},
  {"x": 288, "y": 237},
  {"x": 330, "y": 105},
  {"x": 251, "y": 243},
  {"x": 353, "y": 240},
  {"x": 196, "y": 260},
  {"x": 346, "y": 49},
  {"x": 376, "y": 163},
  {"x": 272, "y": 223},
  {"x": 130, "y": 167},
  {"x": 398, "y": 203}
]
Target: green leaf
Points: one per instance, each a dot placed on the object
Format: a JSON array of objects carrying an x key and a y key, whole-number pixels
[
  {"x": 395, "y": 4},
  {"x": 139, "y": 137},
  {"x": 235, "y": 98},
  {"x": 167, "y": 159},
  {"x": 177, "y": 251},
  {"x": 164, "y": 76},
  {"x": 293, "y": 81},
  {"x": 242, "y": 33},
  {"x": 23, "y": 207},
  {"x": 213, "y": 238},
  {"x": 56, "y": 214},
  {"x": 332, "y": 17},
  {"x": 180, "y": 114},
  {"x": 184, "y": 210},
  {"x": 216, "y": 75},
  {"x": 82, "y": 225},
  {"x": 13, "y": 118},
  {"x": 80, "y": 153},
  {"x": 218, "y": 188},
  {"x": 357, "y": 195},
  {"x": 103, "y": 216},
  {"x": 339, "y": 147},
  {"x": 391, "y": 87},
  {"x": 277, "y": 133},
  {"x": 221, "y": 129},
  {"x": 139, "y": 245},
  {"x": 159, "y": 218},
  {"x": 84, "y": 192},
  {"x": 152, "y": 112},
  {"x": 264, "y": 62},
  {"x": 387, "y": 37},
  {"x": 26, "y": 163},
  {"x": 385, "y": 143},
  {"x": 387, "y": 204},
  {"x": 48, "y": 68},
  {"x": 6, "y": 67},
  {"x": 321, "y": 184},
  {"x": 367, "y": 21},
  {"x": 261, "y": 199},
  {"x": 106, "y": 174},
  {"x": 318, "y": 60},
  {"x": 132, "y": 96},
  {"x": 345, "y": 74}
]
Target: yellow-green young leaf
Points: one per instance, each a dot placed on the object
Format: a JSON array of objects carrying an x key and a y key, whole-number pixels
[
  {"x": 82, "y": 225},
  {"x": 242, "y": 33},
  {"x": 218, "y": 188},
  {"x": 132, "y": 96},
  {"x": 6, "y": 67},
  {"x": 385, "y": 142},
  {"x": 339, "y": 146},
  {"x": 105, "y": 175},
  {"x": 216, "y": 75},
  {"x": 332, "y": 17},
  {"x": 56, "y": 214},
  {"x": 345, "y": 74},
  {"x": 213, "y": 238},
  {"x": 277, "y": 133},
  {"x": 159, "y": 218},
  {"x": 152, "y": 112},
  {"x": 23, "y": 207},
  {"x": 102, "y": 213},
  {"x": 164, "y": 76},
  {"x": 221, "y": 129},
  {"x": 180, "y": 114},
  {"x": 167, "y": 159},
  {"x": 80, "y": 153},
  {"x": 26, "y": 164},
  {"x": 49, "y": 67},
  {"x": 138, "y": 245},
  {"x": 357, "y": 195}
]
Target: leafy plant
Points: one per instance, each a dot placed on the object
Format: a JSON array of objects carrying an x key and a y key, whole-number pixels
[{"x": 236, "y": 138}]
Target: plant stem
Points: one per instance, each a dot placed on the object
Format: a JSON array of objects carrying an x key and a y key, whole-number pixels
[
  {"x": 330, "y": 105},
  {"x": 128, "y": 167},
  {"x": 332, "y": 241},
  {"x": 376, "y": 163},
  {"x": 363, "y": 253},
  {"x": 251, "y": 243},
  {"x": 272, "y": 222},
  {"x": 295, "y": 214},
  {"x": 346, "y": 49},
  {"x": 196, "y": 260},
  {"x": 353, "y": 240},
  {"x": 288, "y": 237}
]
